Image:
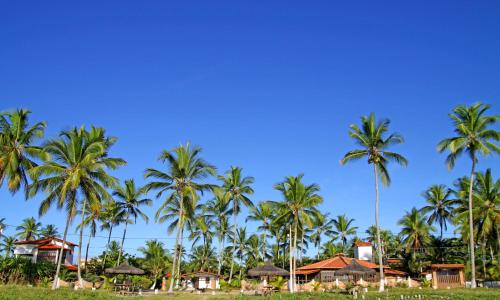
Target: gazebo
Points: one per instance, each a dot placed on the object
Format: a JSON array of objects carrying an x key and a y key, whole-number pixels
[
  {"x": 125, "y": 269},
  {"x": 268, "y": 270},
  {"x": 354, "y": 271}
]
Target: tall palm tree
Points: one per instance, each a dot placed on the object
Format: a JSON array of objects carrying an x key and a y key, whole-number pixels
[
  {"x": 2, "y": 226},
  {"x": 17, "y": 152},
  {"x": 29, "y": 229},
  {"x": 322, "y": 225},
  {"x": 201, "y": 228},
  {"x": 263, "y": 213},
  {"x": 298, "y": 206},
  {"x": 77, "y": 172},
  {"x": 129, "y": 199},
  {"x": 202, "y": 258},
  {"x": 239, "y": 188},
  {"x": 219, "y": 210},
  {"x": 111, "y": 216},
  {"x": 343, "y": 228},
  {"x": 329, "y": 249},
  {"x": 92, "y": 215},
  {"x": 439, "y": 205},
  {"x": 48, "y": 231},
  {"x": 374, "y": 147},
  {"x": 386, "y": 238},
  {"x": 240, "y": 243},
  {"x": 156, "y": 259},
  {"x": 473, "y": 136},
  {"x": 7, "y": 245},
  {"x": 415, "y": 230},
  {"x": 185, "y": 169}
]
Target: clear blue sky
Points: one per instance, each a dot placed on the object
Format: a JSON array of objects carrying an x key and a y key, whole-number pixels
[{"x": 270, "y": 86}]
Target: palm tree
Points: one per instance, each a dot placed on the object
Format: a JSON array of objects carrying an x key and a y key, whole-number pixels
[
  {"x": 2, "y": 226},
  {"x": 299, "y": 206},
  {"x": 48, "y": 231},
  {"x": 156, "y": 259},
  {"x": 473, "y": 136},
  {"x": 238, "y": 189},
  {"x": 415, "y": 230},
  {"x": 440, "y": 206},
  {"x": 219, "y": 210},
  {"x": 7, "y": 245},
  {"x": 240, "y": 243},
  {"x": 263, "y": 212},
  {"x": 111, "y": 216},
  {"x": 329, "y": 250},
  {"x": 322, "y": 225},
  {"x": 29, "y": 229},
  {"x": 185, "y": 168},
  {"x": 374, "y": 147},
  {"x": 129, "y": 199},
  {"x": 343, "y": 228},
  {"x": 200, "y": 228},
  {"x": 202, "y": 258},
  {"x": 386, "y": 237},
  {"x": 77, "y": 171},
  {"x": 17, "y": 152},
  {"x": 92, "y": 215}
]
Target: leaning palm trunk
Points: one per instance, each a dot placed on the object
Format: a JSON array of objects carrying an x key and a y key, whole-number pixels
[
  {"x": 123, "y": 240},
  {"x": 79, "y": 271},
  {"x": 379, "y": 244},
  {"x": 471, "y": 226},
  {"x": 107, "y": 246},
  {"x": 234, "y": 244},
  {"x": 55, "y": 284}
]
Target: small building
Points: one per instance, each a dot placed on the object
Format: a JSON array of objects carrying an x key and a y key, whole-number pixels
[
  {"x": 363, "y": 251},
  {"x": 46, "y": 250},
  {"x": 447, "y": 275},
  {"x": 202, "y": 280}
]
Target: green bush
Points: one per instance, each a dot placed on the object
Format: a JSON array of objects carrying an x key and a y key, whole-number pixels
[
  {"x": 402, "y": 284},
  {"x": 235, "y": 283},
  {"x": 141, "y": 281},
  {"x": 426, "y": 283}
]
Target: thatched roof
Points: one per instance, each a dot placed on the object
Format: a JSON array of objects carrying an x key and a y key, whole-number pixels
[
  {"x": 267, "y": 270},
  {"x": 124, "y": 268},
  {"x": 354, "y": 268}
]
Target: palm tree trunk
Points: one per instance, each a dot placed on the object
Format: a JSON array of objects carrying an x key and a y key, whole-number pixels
[
  {"x": 87, "y": 253},
  {"x": 483, "y": 254},
  {"x": 296, "y": 254},
  {"x": 79, "y": 271},
  {"x": 471, "y": 224},
  {"x": 290, "y": 282},
  {"x": 107, "y": 246},
  {"x": 174, "y": 262},
  {"x": 241, "y": 262},
  {"x": 123, "y": 240},
  {"x": 55, "y": 284},
  {"x": 234, "y": 242},
  {"x": 179, "y": 257},
  {"x": 219, "y": 267},
  {"x": 379, "y": 245}
]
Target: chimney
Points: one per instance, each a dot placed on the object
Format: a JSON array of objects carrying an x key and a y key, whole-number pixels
[{"x": 363, "y": 251}]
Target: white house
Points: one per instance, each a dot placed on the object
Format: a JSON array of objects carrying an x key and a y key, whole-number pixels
[
  {"x": 45, "y": 250},
  {"x": 363, "y": 251},
  {"x": 203, "y": 280}
]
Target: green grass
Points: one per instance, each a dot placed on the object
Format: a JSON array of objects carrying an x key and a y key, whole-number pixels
[{"x": 13, "y": 292}]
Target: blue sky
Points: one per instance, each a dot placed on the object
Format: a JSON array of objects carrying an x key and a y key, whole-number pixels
[{"x": 270, "y": 86}]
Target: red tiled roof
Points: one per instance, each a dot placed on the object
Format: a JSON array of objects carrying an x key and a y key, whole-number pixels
[
  {"x": 337, "y": 262},
  {"x": 43, "y": 241},
  {"x": 51, "y": 247},
  {"x": 394, "y": 272},
  {"x": 306, "y": 272},
  {"x": 394, "y": 260},
  {"x": 447, "y": 266},
  {"x": 362, "y": 244},
  {"x": 71, "y": 267}
]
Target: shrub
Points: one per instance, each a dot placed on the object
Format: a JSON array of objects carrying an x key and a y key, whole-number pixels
[
  {"x": 426, "y": 283},
  {"x": 402, "y": 284},
  {"x": 235, "y": 283},
  {"x": 141, "y": 281},
  {"x": 279, "y": 282}
]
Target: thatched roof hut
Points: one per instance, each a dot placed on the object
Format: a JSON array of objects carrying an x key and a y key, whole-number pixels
[
  {"x": 268, "y": 269},
  {"x": 124, "y": 268},
  {"x": 354, "y": 268}
]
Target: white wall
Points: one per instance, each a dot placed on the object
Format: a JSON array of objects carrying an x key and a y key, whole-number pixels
[{"x": 363, "y": 253}]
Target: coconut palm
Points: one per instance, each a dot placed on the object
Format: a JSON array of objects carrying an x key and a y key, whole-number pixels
[
  {"x": 415, "y": 230},
  {"x": 439, "y": 206},
  {"x": 2, "y": 226},
  {"x": 7, "y": 245},
  {"x": 322, "y": 225},
  {"x": 185, "y": 169},
  {"x": 219, "y": 210},
  {"x": 386, "y": 237},
  {"x": 129, "y": 199},
  {"x": 238, "y": 188},
  {"x": 156, "y": 259},
  {"x": 111, "y": 216},
  {"x": 475, "y": 137},
  {"x": 17, "y": 152},
  {"x": 299, "y": 207},
  {"x": 240, "y": 243},
  {"x": 29, "y": 229},
  {"x": 329, "y": 250},
  {"x": 78, "y": 172},
  {"x": 202, "y": 258},
  {"x": 201, "y": 228},
  {"x": 374, "y": 147},
  {"x": 263, "y": 213},
  {"x": 48, "y": 231},
  {"x": 91, "y": 217},
  {"x": 342, "y": 228}
]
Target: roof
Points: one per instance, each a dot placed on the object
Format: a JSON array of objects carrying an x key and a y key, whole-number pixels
[
  {"x": 124, "y": 268},
  {"x": 268, "y": 269},
  {"x": 43, "y": 241},
  {"x": 394, "y": 272},
  {"x": 306, "y": 272},
  {"x": 362, "y": 244},
  {"x": 337, "y": 262},
  {"x": 200, "y": 274},
  {"x": 447, "y": 266},
  {"x": 71, "y": 267},
  {"x": 355, "y": 268},
  {"x": 51, "y": 247},
  {"x": 394, "y": 260}
]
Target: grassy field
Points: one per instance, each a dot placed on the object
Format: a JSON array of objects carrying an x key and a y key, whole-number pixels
[{"x": 12, "y": 292}]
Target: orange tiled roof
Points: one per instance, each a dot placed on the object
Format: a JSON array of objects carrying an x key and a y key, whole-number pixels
[
  {"x": 337, "y": 262},
  {"x": 43, "y": 241},
  {"x": 362, "y": 244},
  {"x": 71, "y": 267},
  {"x": 306, "y": 272},
  {"x": 51, "y": 247},
  {"x": 447, "y": 266},
  {"x": 394, "y": 272}
]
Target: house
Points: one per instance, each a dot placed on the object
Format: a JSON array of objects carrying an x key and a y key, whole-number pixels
[
  {"x": 447, "y": 275},
  {"x": 47, "y": 249},
  {"x": 202, "y": 280}
]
